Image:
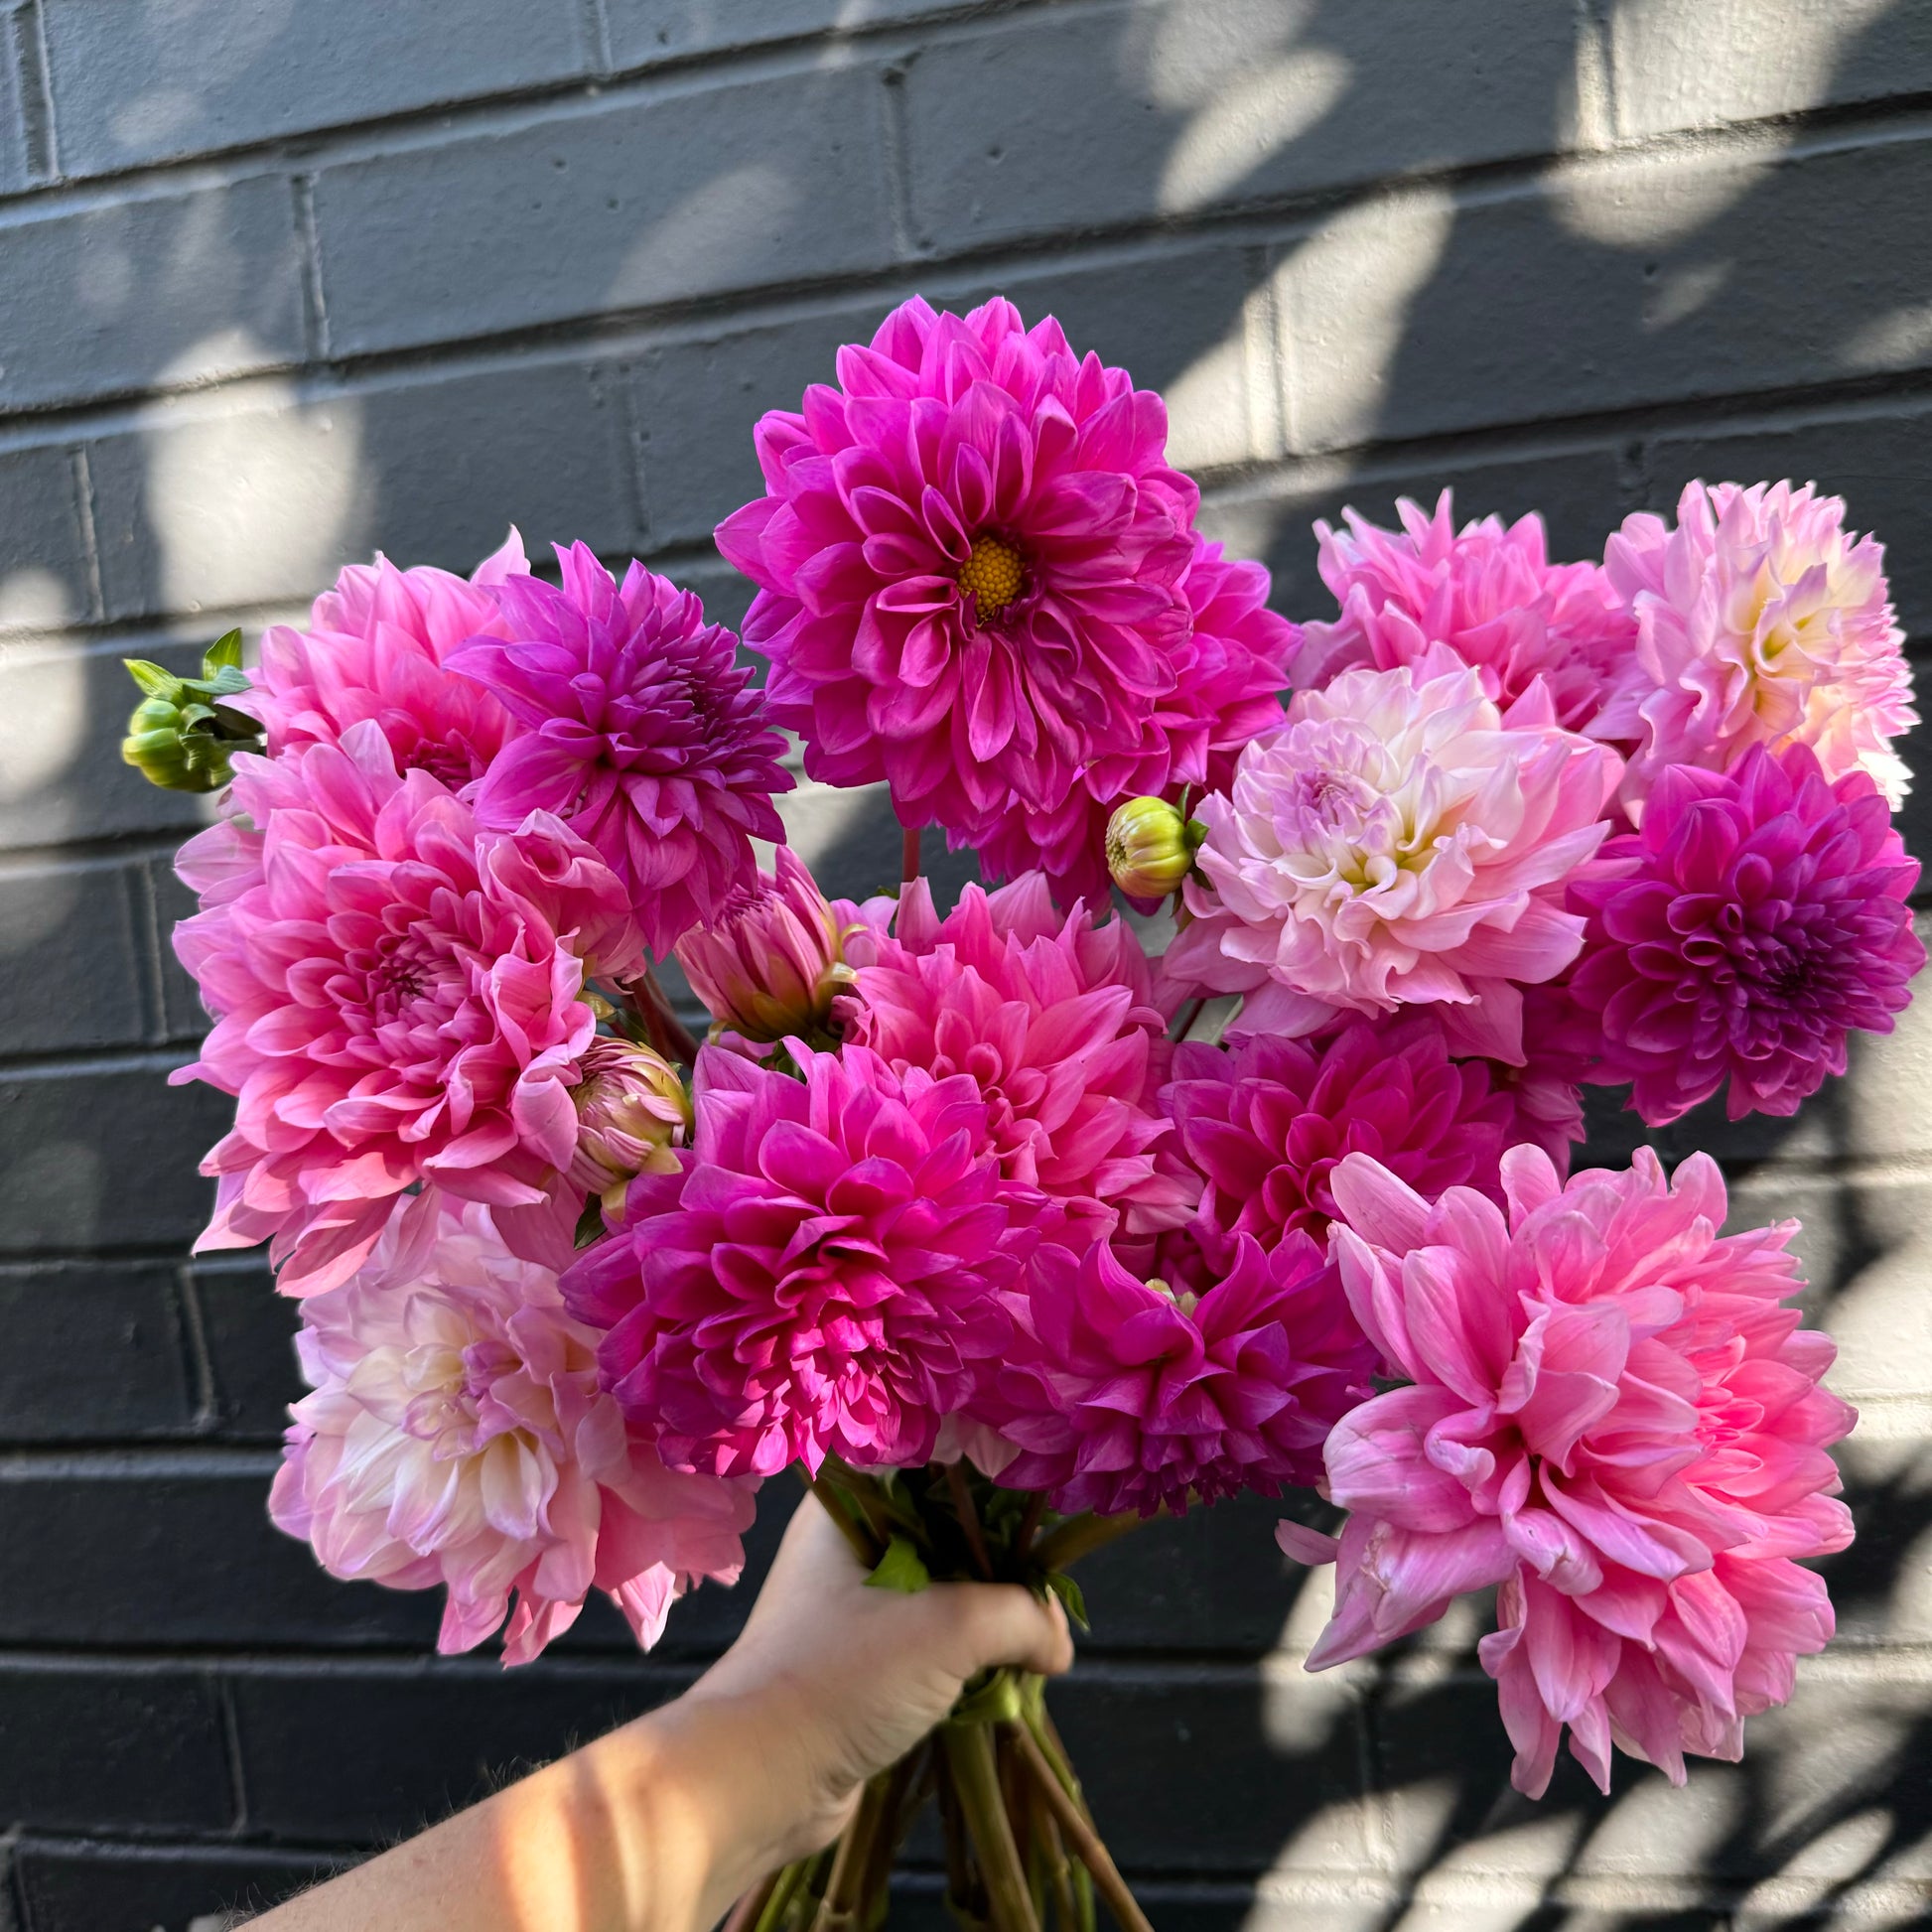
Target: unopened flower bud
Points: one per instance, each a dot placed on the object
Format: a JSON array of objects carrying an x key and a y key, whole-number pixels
[
  {"x": 633, "y": 1113},
  {"x": 181, "y": 735},
  {"x": 1150, "y": 847},
  {"x": 772, "y": 962}
]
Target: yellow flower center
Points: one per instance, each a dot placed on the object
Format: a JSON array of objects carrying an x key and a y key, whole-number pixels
[{"x": 993, "y": 574}]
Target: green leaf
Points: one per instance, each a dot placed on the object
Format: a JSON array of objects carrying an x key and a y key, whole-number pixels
[
  {"x": 155, "y": 679},
  {"x": 1063, "y": 1585},
  {"x": 589, "y": 1223},
  {"x": 223, "y": 655},
  {"x": 900, "y": 1569}
]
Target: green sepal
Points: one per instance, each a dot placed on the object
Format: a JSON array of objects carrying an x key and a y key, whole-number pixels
[
  {"x": 901, "y": 1568},
  {"x": 1072, "y": 1600},
  {"x": 155, "y": 679},
  {"x": 589, "y": 1223},
  {"x": 225, "y": 654}
]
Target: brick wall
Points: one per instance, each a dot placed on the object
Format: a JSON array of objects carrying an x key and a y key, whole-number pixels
[{"x": 283, "y": 282}]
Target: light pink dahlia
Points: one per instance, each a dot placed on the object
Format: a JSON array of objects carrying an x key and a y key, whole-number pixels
[
  {"x": 971, "y": 560},
  {"x": 393, "y": 1002},
  {"x": 1051, "y": 1016},
  {"x": 821, "y": 1279},
  {"x": 1230, "y": 674},
  {"x": 1267, "y": 1120},
  {"x": 1760, "y": 620},
  {"x": 1489, "y": 592},
  {"x": 1756, "y": 920},
  {"x": 1123, "y": 1394},
  {"x": 375, "y": 650},
  {"x": 1615, "y": 1416},
  {"x": 637, "y": 728},
  {"x": 455, "y": 1435},
  {"x": 1401, "y": 839}
]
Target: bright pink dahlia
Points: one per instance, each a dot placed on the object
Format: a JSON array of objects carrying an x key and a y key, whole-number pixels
[
  {"x": 1266, "y": 1122},
  {"x": 1123, "y": 1394},
  {"x": 637, "y": 728},
  {"x": 1231, "y": 675},
  {"x": 375, "y": 650},
  {"x": 1051, "y": 1018},
  {"x": 1760, "y": 620},
  {"x": 393, "y": 1003},
  {"x": 1757, "y": 918},
  {"x": 822, "y": 1277},
  {"x": 1616, "y": 1418},
  {"x": 971, "y": 560},
  {"x": 1401, "y": 839},
  {"x": 456, "y": 1435},
  {"x": 1489, "y": 592}
]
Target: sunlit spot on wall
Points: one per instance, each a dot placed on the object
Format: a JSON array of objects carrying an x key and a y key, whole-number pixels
[
  {"x": 1620, "y": 202},
  {"x": 1249, "y": 119},
  {"x": 1679, "y": 293},
  {"x": 34, "y": 600},
  {"x": 250, "y": 497},
  {"x": 729, "y": 221},
  {"x": 1807, "y": 1880},
  {"x": 43, "y": 720},
  {"x": 45, "y": 909},
  {"x": 1657, "y": 1828},
  {"x": 1899, "y": 340}
]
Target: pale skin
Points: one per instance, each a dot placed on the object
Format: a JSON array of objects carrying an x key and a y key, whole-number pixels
[{"x": 662, "y": 1825}]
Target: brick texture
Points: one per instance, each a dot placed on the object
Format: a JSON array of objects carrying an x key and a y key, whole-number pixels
[{"x": 388, "y": 273}]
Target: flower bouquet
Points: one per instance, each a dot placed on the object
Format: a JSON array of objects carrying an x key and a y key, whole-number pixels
[{"x": 1008, "y": 1226}]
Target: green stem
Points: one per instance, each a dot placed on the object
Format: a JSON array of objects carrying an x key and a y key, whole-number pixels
[
  {"x": 839, "y": 1910},
  {"x": 750, "y": 1910},
  {"x": 1080, "y": 1834},
  {"x": 832, "y": 1501},
  {"x": 909, "y": 868},
  {"x": 1079, "y": 1536},
  {"x": 976, "y": 1779},
  {"x": 969, "y": 1519},
  {"x": 784, "y": 1888}
]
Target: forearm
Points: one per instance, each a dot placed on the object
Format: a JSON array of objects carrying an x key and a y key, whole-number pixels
[{"x": 655, "y": 1827}]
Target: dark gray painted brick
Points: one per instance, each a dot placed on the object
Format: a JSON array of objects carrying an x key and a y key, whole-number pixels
[
  {"x": 407, "y": 1747},
  {"x": 639, "y": 202},
  {"x": 102, "y": 1156},
  {"x": 69, "y": 972},
  {"x": 1098, "y": 120},
  {"x": 1547, "y": 305},
  {"x": 13, "y": 122},
  {"x": 91, "y": 1351},
  {"x": 101, "y": 298},
  {"x": 113, "y": 1748},
  {"x": 43, "y": 576},
  {"x": 131, "y": 84},
  {"x": 107, "y": 1887},
  {"x": 181, "y": 1015},
  {"x": 443, "y": 466},
  {"x": 644, "y": 31},
  {"x": 249, "y": 1333}
]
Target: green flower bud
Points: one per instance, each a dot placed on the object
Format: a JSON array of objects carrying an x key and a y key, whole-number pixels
[
  {"x": 181, "y": 735},
  {"x": 1150, "y": 847}
]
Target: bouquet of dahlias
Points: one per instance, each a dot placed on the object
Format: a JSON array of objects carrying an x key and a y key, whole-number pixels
[{"x": 1004, "y": 1233}]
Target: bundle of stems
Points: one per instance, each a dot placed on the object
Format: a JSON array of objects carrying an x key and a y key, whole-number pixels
[{"x": 1022, "y": 1852}]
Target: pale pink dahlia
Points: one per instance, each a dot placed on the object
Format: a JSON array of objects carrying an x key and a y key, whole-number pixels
[
  {"x": 971, "y": 560},
  {"x": 1760, "y": 620},
  {"x": 393, "y": 1002},
  {"x": 1051, "y": 1018},
  {"x": 1615, "y": 1416},
  {"x": 1266, "y": 1121},
  {"x": 821, "y": 1279},
  {"x": 1489, "y": 592},
  {"x": 1123, "y": 1394},
  {"x": 637, "y": 728},
  {"x": 1401, "y": 839},
  {"x": 1756, "y": 920},
  {"x": 455, "y": 1435},
  {"x": 1230, "y": 674},
  {"x": 375, "y": 650}
]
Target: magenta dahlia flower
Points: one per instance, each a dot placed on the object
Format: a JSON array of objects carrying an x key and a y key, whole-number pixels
[
  {"x": 1760, "y": 620},
  {"x": 637, "y": 728},
  {"x": 1267, "y": 1120},
  {"x": 1489, "y": 592},
  {"x": 1230, "y": 674},
  {"x": 375, "y": 650},
  {"x": 821, "y": 1279},
  {"x": 1401, "y": 839},
  {"x": 971, "y": 561},
  {"x": 393, "y": 1003},
  {"x": 1757, "y": 918},
  {"x": 1051, "y": 1018},
  {"x": 1615, "y": 1416},
  {"x": 1123, "y": 1394},
  {"x": 455, "y": 1435}
]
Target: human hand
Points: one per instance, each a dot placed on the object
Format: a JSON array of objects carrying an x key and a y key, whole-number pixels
[{"x": 840, "y": 1680}]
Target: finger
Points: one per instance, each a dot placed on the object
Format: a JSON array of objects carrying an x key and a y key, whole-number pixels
[{"x": 1002, "y": 1623}]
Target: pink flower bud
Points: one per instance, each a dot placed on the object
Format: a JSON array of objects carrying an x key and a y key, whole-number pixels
[
  {"x": 631, "y": 1114},
  {"x": 771, "y": 963}
]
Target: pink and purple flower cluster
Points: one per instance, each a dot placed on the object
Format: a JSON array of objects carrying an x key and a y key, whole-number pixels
[{"x": 1281, "y": 1204}]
